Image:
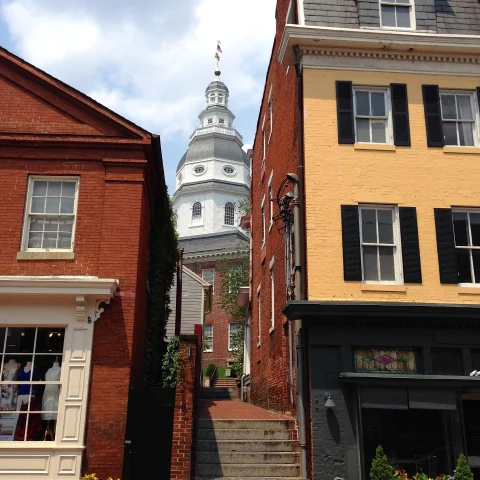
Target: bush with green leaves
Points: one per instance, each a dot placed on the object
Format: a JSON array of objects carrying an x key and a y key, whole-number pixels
[
  {"x": 463, "y": 472},
  {"x": 209, "y": 370},
  {"x": 171, "y": 364},
  {"x": 381, "y": 469}
]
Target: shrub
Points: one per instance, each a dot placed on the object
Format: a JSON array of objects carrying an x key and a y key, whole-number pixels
[
  {"x": 209, "y": 370},
  {"x": 463, "y": 472},
  {"x": 381, "y": 469}
]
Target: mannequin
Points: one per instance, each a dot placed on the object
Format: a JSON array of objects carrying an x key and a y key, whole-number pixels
[
  {"x": 50, "y": 397},
  {"x": 9, "y": 393},
  {"x": 25, "y": 375}
]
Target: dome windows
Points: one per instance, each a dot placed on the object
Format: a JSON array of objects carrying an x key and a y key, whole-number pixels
[
  {"x": 199, "y": 170},
  {"x": 229, "y": 170},
  {"x": 229, "y": 214}
]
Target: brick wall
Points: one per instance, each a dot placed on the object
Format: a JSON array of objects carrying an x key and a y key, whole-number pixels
[
  {"x": 184, "y": 414},
  {"x": 270, "y": 385}
]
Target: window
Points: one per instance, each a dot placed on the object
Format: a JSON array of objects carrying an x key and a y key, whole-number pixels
[
  {"x": 372, "y": 124},
  {"x": 30, "y": 360},
  {"x": 272, "y": 296},
  {"x": 50, "y": 214},
  {"x": 229, "y": 216},
  {"x": 234, "y": 330},
  {"x": 397, "y": 14},
  {"x": 197, "y": 211},
  {"x": 259, "y": 306},
  {"x": 270, "y": 198},
  {"x": 210, "y": 121},
  {"x": 228, "y": 170},
  {"x": 380, "y": 244},
  {"x": 270, "y": 113},
  {"x": 264, "y": 142},
  {"x": 447, "y": 361},
  {"x": 221, "y": 121},
  {"x": 263, "y": 221},
  {"x": 212, "y": 99},
  {"x": 208, "y": 274},
  {"x": 199, "y": 170},
  {"x": 208, "y": 338},
  {"x": 458, "y": 118},
  {"x": 466, "y": 227},
  {"x": 220, "y": 99}
]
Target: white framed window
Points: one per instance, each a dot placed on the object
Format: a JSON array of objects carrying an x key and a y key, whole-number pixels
[
  {"x": 466, "y": 227},
  {"x": 270, "y": 113},
  {"x": 263, "y": 220},
  {"x": 30, "y": 359},
  {"x": 272, "y": 295},
  {"x": 259, "y": 313},
  {"x": 212, "y": 99},
  {"x": 196, "y": 210},
  {"x": 50, "y": 214},
  {"x": 270, "y": 199},
  {"x": 373, "y": 122},
  {"x": 233, "y": 329},
  {"x": 229, "y": 170},
  {"x": 459, "y": 118},
  {"x": 264, "y": 142},
  {"x": 208, "y": 274},
  {"x": 397, "y": 14},
  {"x": 199, "y": 170},
  {"x": 209, "y": 121},
  {"x": 221, "y": 121},
  {"x": 380, "y": 242},
  {"x": 229, "y": 214},
  {"x": 220, "y": 99},
  {"x": 208, "y": 338}
]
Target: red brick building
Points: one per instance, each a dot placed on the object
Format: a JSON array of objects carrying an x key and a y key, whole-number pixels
[{"x": 79, "y": 187}]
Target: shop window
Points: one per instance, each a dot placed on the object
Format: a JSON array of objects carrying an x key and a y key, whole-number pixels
[
  {"x": 31, "y": 361},
  {"x": 476, "y": 359},
  {"x": 447, "y": 361},
  {"x": 50, "y": 214}
]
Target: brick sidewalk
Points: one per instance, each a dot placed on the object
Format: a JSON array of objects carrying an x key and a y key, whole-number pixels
[{"x": 233, "y": 410}]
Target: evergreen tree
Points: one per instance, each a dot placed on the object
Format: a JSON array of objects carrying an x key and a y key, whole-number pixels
[
  {"x": 381, "y": 469},
  {"x": 463, "y": 471}
]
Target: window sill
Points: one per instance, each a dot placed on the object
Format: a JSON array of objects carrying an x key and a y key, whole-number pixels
[
  {"x": 271, "y": 329},
  {"x": 464, "y": 150},
  {"x": 46, "y": 255},
  {"x": 374, "y": 146},
  {"x": 208, "y": 351},
  {"x": 381, "y": 287},
  {"x": 468, "y": 290}
]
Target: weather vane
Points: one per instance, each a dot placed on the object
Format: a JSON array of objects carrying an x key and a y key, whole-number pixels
[{"x": 217, "y": 56}]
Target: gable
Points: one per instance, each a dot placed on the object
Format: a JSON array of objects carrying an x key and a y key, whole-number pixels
[{"x": 24, "y": 112}]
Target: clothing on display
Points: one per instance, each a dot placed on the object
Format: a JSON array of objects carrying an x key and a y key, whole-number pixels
[
  {"x": 51, "y": 393},
  {"x": 9, "y": 392},
  {"x": 34, "y": 422},
  {"x": 26, "y": 375}
]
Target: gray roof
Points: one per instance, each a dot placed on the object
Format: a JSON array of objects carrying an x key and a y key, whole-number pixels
[
  {"x": 440, "y": 16},
  {"x": 217, "y": 84},
  {"x": 214, "y": 244},
  {"x": 209, "y": 146}
]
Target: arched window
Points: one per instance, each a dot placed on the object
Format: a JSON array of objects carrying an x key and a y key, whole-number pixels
[
  {"x": 196, "y": 211},
  {"x": 229, "y": 214}
]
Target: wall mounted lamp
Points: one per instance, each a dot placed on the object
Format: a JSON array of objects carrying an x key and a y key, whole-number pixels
[{"x": 329, "y": 403}]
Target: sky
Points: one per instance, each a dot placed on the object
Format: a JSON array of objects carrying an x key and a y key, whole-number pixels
[{"x": 149, "y": 60}]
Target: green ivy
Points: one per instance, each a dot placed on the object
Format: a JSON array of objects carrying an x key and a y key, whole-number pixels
[{"x": 172, "y": 361}]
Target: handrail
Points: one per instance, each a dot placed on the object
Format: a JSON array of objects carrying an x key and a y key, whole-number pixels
[{"x": 213, "y": 378}]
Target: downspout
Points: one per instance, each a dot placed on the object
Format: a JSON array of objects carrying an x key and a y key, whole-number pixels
[{"x": 300, "y": 259}]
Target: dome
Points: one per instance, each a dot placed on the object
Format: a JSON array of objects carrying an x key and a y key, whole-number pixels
[
  {"x": 217, "y": 85},
  {"x": 214, "y": 147}
]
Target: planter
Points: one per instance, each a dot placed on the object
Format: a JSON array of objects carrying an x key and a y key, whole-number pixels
[{"x": 206, "y": 382}]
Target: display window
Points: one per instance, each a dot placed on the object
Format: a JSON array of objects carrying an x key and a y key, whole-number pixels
[{"x": 31, "y": 365}]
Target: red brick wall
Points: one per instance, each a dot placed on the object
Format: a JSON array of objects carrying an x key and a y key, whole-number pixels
[
  {"x": 183, "y": 418},
  {"x": 270, "y": 384}
]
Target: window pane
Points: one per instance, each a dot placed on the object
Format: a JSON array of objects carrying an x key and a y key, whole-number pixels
[
  {"x": 465, "y": 134},
  {"x": 449, "y": 111},
  {"x": 362, "y": 103},
  {"x": 463, "y": 265},
  {"x": 54, "y": 189},
  {"x": 35, "y": 240},
  {"x": 387, "y": 265},
  {"x": 53, "y": 205},
  {"x": 65, "y": 224},
  {"x": 385, "y": 226},
  {"x": 50, "y": 240},
  {"x": 37, "y": 224},
  {"x": 464, "y": 107},
  {"x": 50, "y": 340},
  {"x": 65, "y": 240},
  {"x": 39, "y": 188},
  {"x": 450, "y": 133},
  {"x": 460, "y": 227},
  {"x": 68, "y": 189},
  {"x": 378, "y": 104},
  {"x": 20, "y": 340},
  {"x": 370, "y": 268},
  {"x": 363, "y": 130},
  {"x": 476, "y": 265},
  {"x": 67, "y": 205},
  {"x": 447, "y": 361},
  {"x": 379, "y": 133},
  {"x": 475, "y": 228},
  {"x": 388, "y": 16},
  {"x": 51, "y": 224},
  {"x": 38, "y": 205},
  {"x": 369, "y": 227},
  {"x": 403, "y": 17}
]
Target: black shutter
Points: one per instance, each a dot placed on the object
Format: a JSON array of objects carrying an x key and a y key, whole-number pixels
[
  {"x": 433, "y": 115},
  {"x": 401, "y": 123},
  {"x": 412, "y": 268},
  {"x": 346, "y": 129},
  {"x": 447, "y": 259},
  {"x": 352, "y": 264}
]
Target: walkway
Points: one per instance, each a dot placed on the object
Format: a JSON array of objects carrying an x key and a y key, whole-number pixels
[{"x": 235, "y": 410}]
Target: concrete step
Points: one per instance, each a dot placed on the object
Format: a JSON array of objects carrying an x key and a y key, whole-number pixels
[
  {"x": 222, "y": 424},
  {"x": 230, "y": 382},
  {"x": 244, "y": 458},
  {"x": 246, "y": 446},
  {"x": 250, "y": 470},
  {"x": 219, "y": 393},
  {"x": 245, "y": 478},
  {"x": 242, "y": 434}
]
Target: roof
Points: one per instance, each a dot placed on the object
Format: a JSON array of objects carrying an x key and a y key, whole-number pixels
[
  {"x": 215, "y": 244},
  {"x": 217, "y": 84},
  {"x": 210, "y": 146}
]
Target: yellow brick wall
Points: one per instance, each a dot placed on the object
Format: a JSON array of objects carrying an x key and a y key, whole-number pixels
[{"x": 416, "y": 176}]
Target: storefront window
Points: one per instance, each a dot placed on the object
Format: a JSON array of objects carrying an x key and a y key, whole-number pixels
[
  {"x": 447, "y": 361},
  {"x": 31, "y": 361}
]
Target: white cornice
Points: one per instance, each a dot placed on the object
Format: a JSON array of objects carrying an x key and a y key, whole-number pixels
[{"x": 387, "y": 40}]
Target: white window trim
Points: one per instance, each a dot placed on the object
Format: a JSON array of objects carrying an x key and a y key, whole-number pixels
[
  {"x": 272, "y": 294},
  {"x": 397, "y": 257},
  {"x": 198, "y": 219},
  {"x": 259, "y": 306},
  {"x": 270, "y": 200},
  {"x": 201, "y": 173},
  {"x": 229, "y": 174},
  {"x": 270, "y": 113},
  {"x": 476, "y": 114},
  {"x": 264, "y": 143},
  {"x": 208, "y": 350},
  {"x": 388, "y": 111},
  {"x": 234, "y": 214},
  {"x": 467, "y": 210},
  {"x": 413, "y": 20},
  {"x": 211, "y": 283},
  {"x": 263, "y": 226},
  {"x": 230, "y": 349},
  {"x": 26, "y": 218}
]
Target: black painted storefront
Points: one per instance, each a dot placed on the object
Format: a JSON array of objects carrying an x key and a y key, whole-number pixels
[{"x": 425, "y": 419}]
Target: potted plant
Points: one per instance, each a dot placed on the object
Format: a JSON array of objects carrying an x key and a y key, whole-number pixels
[{"x": 208, "y": 375}]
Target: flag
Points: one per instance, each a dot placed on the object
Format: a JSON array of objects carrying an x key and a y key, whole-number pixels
[
  {"x": 219, "y": 48},
  {"x": 217, "y": 56}
]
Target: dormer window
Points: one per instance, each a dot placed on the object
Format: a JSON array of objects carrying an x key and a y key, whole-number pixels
[
  {"x": 397, "y": 14},
  {"x": 220, "y": 99},
  {"x": 210, "y": 121},
  {"x": 221, "y": 121}
]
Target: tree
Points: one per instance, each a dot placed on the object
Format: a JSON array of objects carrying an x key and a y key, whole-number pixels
[
  {"x": 463, "y": 472},
  {"x": 381, "y": 469}
]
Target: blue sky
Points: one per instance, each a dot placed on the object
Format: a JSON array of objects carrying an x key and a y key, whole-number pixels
[{"x": 149, "y": 60}]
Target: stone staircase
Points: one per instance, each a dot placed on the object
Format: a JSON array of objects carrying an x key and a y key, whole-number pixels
[
  {"x": 246, "y": 450},
  {"x": 224, "y": 388}
]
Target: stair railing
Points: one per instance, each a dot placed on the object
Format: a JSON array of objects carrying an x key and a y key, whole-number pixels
[{"x": 214, "y": 377}]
